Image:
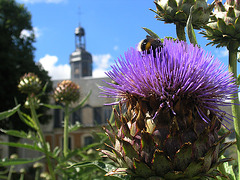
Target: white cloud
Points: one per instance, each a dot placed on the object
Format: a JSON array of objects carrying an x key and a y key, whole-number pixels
[
  {"x": 42, "y": 1},
  {"x": 61, "y": 71},
  {"x": 101, "y": 63},
  {"x": 27, "y": 33},
  {"x": 222, "y": 53},
  {"x": 115, "y": 48}
]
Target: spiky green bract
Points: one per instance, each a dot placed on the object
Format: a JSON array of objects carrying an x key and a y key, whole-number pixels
[
  {"x": 177, "y": 11},
  {"x": 224, "y": 25},
  {"x": 170, "y": 128},
  {"x": 29, "y": 84},
  {"x": 67, "y": 92}
]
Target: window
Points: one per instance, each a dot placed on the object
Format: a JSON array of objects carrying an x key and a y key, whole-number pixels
[
  {"x": 76, "y": 117},
  {"x": 76, "y": 70},
  {"x": 85, "y": 70},
  {"x": 97, "y": 115},
  {"x": 88, "y": 140},
  {"x": 107, "y": 113}
]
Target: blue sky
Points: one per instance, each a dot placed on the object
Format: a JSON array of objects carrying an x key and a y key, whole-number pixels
[{"x": 111, "y": 26}]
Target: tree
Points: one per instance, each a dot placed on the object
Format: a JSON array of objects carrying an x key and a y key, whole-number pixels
[{"x": 16, "y": 58}]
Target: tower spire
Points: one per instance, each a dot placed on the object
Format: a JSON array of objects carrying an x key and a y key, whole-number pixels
[
  {"x": 80, "y": 59},
  {"x": 80, "y": 41}
]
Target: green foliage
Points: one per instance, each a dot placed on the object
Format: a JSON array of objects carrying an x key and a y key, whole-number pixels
[
  {"x": 17, "y": 58},
  {"x": 85, "y": 163}
]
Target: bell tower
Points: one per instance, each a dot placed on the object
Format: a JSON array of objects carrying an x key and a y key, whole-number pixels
[{"x": 80, "y": 59}]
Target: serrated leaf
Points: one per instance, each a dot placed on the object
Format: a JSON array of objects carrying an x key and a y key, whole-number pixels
[
  {"x": 238, "y": 80},
  {"x": 27, "y": 119},
  {"x": 8, "y": 113},
  {"x": 151, "y": 33},
  {"x": 10, "y": 162},
  {"x": 81, "y": 104},
  {"x": 20, "y": 134},
  {"x": 190, "y": 30},
  {"x": 56, "y": 151},
  {"x": 51, "y": 106},
  {"x": 74, "y": 127},
  {"x": 23, "y": 145},
  {"x": 100, "y": 165},
  {"x": 227, "y": 170}
]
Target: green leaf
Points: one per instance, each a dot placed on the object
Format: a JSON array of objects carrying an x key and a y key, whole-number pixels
[
  {"x": 10, "y": 162},
  {"x": 27, "y": 119},
  {"x": 230, "y": 29},
  {"x": 227, "y": 170},
  {"x": 221, "y": 25},
  {"x": 190, "y": 31},
  {"x": 20, "y": 134},
  {"x": 81, "y": 103},
  {"x": 151, "y": 33},
  {"x": 161, "y": 163},
  {"x": 100, "y": 165},
  {"x": 142, "y": 169},
  {"x": 74, "y": 127},
  {"x": 237, "y": 24},
  {"x": 25, "y": 145},
  {"x": 56, "y": 152},
  {"x": 238, "y": 80},
  {"x": 3, "y": 177},
  {"x": 129, "y": 150},
  {"x": 8, "y": 113},
  {"x": 183, "y": 157},
  {"x": 43, "y": 90},
  {"x": 50, "y": 106}
]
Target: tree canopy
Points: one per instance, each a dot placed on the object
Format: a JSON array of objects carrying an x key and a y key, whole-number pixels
[{"x": 16, "y": 57}]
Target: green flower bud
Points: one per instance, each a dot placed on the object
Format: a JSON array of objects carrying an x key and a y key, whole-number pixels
[
  {"x": 224, "y": 26},
  {"x": 29, "y": 83},
  {"x": 177, "y": 11},
  {"x": 67, "y": 92}
]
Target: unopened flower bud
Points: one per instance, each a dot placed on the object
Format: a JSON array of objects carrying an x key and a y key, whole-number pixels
[
  {"x": 67, "y": 92},
  {"x": 29, "y": 83}
]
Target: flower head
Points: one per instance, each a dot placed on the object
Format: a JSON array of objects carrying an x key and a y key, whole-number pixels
[
  {"x": 223, "y": 28},
  {"x": 180, "y": 75},
  {"x": 67, "y": 92},
  {"x": 29, "y": 83}
]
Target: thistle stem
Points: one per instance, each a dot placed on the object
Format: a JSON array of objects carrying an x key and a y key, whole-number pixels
[
  {"x": 10, "y": 173},
  {"x": 41, "y": 136},
  {"x": 233, "y": 49},
  {"x": 180, "y": 30},
  {"x": 65, "y": 135}
]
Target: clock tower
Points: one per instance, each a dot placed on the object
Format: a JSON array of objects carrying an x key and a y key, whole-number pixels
[{"x": 80, "y": 59}]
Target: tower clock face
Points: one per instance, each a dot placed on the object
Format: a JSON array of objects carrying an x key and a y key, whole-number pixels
[{"x": 76, "y": 72}]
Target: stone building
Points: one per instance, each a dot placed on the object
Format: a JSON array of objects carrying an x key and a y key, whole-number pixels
[{"x": 94, "y": 114}]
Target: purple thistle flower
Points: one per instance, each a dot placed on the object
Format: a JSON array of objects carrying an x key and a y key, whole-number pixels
[{"x": 180, "y": 72}]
